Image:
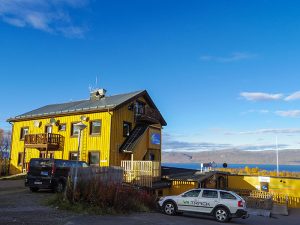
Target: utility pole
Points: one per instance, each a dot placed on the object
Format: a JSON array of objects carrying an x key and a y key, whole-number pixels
[{"x": 277, "y": 158}]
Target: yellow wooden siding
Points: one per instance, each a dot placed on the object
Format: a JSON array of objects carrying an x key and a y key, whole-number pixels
[
  {"x": 99, "y": 143},
  {"x": 117, "y": 139},
  {"x": 179, "y": 187}
]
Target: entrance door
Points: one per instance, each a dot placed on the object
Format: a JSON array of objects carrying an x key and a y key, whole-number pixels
[{"x": 48, "y": 129}]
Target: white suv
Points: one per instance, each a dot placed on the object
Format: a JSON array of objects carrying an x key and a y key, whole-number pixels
[{"x": 223, "y": 205}]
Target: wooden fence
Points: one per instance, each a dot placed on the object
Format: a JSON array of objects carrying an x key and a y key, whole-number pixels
[
  {"x": 290, "y": 201},
  {"x": 141, "y": 173},
  {"x": 111, "y": 174}
]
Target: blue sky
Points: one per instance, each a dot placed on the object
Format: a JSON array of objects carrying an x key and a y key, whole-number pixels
[{"x": 225, "y": 74}]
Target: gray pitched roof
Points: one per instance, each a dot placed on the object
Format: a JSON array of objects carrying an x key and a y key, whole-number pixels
[{"x": 108, "y": 102}]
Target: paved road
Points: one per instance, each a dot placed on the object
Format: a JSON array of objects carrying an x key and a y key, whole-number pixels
[{"x": 19, "y": 206}]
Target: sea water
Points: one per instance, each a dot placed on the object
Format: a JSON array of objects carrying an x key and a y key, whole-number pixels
[{"x": 289, "y": 168}]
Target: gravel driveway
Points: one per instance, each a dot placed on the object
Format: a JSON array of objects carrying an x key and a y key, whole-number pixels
[{"x": 19, "y": 206}]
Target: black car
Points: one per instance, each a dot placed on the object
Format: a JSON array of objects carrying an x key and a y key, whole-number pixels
[{"x": 49, "y": 173}]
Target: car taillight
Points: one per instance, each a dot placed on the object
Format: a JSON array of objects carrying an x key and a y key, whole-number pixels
[
  {"x": 28, "y": 167},
  {"x": 53, "y": 169},
  {"x": 240, "y": 204}
]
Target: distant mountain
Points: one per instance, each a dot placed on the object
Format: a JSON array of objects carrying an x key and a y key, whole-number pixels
[{"x": 233, "y": 156}]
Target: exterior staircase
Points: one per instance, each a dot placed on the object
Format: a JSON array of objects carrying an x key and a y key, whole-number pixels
[{"x": 133, "y": 139}]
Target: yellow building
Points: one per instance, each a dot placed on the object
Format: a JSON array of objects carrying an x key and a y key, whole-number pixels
[{"x": 119, "y": 127}]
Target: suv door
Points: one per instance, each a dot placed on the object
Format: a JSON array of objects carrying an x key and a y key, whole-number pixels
[
  {"x": 187, "y": 201},
  {"x": 229, "y": 200},
  {"x": 211, "y": 199}
]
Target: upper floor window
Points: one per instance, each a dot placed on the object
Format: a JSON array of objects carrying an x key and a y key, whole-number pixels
[
  {"x": 126, "y": 129},
  {"x": 95, "y": 127},
  {"x": 139, "y": 107},
  {"x": 74, "y": 130},
  {"x": 24, "y": 131},
  {"x": 62, "y": 127}
]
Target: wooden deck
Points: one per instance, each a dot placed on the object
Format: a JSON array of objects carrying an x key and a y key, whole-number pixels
[{"x": 43, "y": 141}]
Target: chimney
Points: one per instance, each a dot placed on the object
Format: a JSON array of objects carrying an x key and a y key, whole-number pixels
[{"x": 97, "y": 94}]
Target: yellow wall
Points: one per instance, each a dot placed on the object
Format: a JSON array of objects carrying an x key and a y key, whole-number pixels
[
  {"x": 99, "y": 143},
  {"x": 179, "y": 187},
  {"x": 287, "y": 186},
  {"x": 117, "y": 139}
]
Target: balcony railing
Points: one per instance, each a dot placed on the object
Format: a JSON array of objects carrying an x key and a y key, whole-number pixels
[
  {"x": 43, "y": 141},
  {"x": 148, "y": 115}
]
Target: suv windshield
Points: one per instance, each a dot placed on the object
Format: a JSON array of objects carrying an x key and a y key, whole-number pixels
[{"x": 41, "y": 163}]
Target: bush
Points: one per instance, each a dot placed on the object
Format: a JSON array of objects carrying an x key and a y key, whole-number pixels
[{"x": 94, "y": 196}]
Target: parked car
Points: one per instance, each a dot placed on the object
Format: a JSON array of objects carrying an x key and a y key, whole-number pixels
[
  {"x": 223, "y": 205},
  {"x": 49, "y": 173}
]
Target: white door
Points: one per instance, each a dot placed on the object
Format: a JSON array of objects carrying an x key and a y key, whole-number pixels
[
  {"x": 187, "y": 201},
  {"x": 48, "y": 129}
]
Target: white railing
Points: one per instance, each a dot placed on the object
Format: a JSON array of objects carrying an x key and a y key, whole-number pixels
[{"x": 141, "y": 173}]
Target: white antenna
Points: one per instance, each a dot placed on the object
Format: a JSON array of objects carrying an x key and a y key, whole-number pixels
[
  {"x": 96, "y": 81},
  {"x": 277, "y": 158}
]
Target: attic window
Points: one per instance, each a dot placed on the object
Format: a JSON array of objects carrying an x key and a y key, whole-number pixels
[{"x": 139, "y": 107}]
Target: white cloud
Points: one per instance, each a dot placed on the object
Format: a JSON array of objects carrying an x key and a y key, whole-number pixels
[
  {"x": 268, "y": 131},
  {"x": 234, "y": 57},
  {"x": 294, "y": 96},
  {"x": 260, "y": 96},
  {"x": 47, "y": 15},
  {"x": 289, "y": 113}
]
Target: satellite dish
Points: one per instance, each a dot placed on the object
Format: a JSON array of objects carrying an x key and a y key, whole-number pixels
[
  {"x": 84, "y": 118},
  {"x": 52, "y": 121},
  {"x": 37, "y": 123}
]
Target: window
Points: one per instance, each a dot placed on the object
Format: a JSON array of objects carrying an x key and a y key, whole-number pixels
[
  {"x": 226, "y": 195},
  {"x": 210, "y": 194},
  {"x": 193, "y": 193},
  {"x": 94, "y": 158},
  {"x": 74, "y": 130},
  {"x": 126, "y": 129},
  {"x": 50, "y": 155},
  {"x": 139, "y": 107},
  {"x": 20, "y": 158},
  {"x": 73, "y": 156},
  {"x": 95, "y": 127},
  {"x": 48, "y": 129},
  {"x": 151, "y": 157},
  {"x": 24, "y": 131},
  {"x": 62, "y": 127}
]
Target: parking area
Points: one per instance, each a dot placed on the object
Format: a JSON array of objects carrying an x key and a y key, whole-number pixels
[{"x": 19, "y": 206}]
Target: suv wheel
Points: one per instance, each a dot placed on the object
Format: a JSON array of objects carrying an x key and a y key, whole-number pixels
[
  {"x": 34, "y": 189},
  {"x": 169, "y": 208},
  {"x": 60, "y": 187},
  {"x": 221, "y": 214}
]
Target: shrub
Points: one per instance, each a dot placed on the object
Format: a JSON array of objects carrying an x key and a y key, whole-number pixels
[{"x": 92, "y": 195}]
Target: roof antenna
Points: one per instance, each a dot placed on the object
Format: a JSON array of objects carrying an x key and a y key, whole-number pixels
[{"x": 96, "y": 82}]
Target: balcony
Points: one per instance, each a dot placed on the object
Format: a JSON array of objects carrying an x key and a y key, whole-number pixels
[
  {"x": 45, "y": 141},
  {"x": 148, "y": 115}
]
